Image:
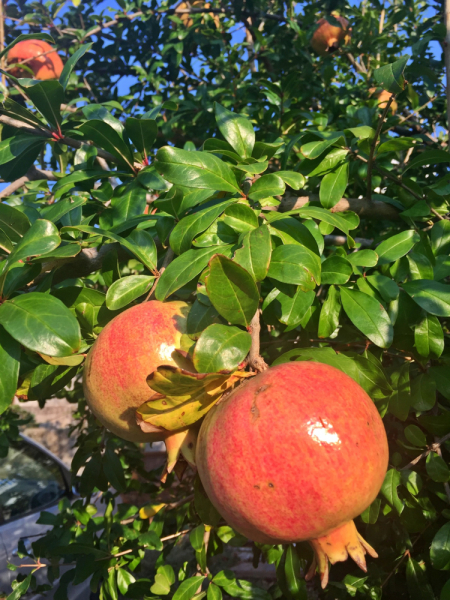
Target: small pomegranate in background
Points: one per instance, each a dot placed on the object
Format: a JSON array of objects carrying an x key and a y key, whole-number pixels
[
  {"x": 48, "y": 66},
  {"x": 328, "y": 38},
  {"x": 128, "y": 349},
  {"x": 383, "y": 96},
  {"x": 295, "y": 454}
]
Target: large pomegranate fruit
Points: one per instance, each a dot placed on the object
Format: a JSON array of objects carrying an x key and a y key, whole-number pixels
[
  {"x": 328, "y": 38},
  {"x": 295, "y": 454},
  {"x": 128, "y": 349},
  {"x": 49, "y": 66}
]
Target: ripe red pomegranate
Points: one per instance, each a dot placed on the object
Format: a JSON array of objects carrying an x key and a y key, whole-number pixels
[
  {"x": 295, "y": 454},
  {"x": 49, "y": 66},
  {"x": 328, "y": 38},
  {"x": 128, "y": 349}
]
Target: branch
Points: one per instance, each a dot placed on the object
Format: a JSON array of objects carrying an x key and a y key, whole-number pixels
[
  {"x": 447, "y": 60},
  {"x": 355, "y": 64},
  {"x": 376, "y": 209},
  {"x": 433, "y": 448},
  {"x": 165, "y": 263},
  {"x": 33, "y": 174},
  {"x": 255, "y": 359},
  {"x": 374, "y": 144}
]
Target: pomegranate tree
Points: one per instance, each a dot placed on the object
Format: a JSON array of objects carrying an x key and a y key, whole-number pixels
[
  {"x": 295, "y": 454},
  {"x": 128, "y": 349}
]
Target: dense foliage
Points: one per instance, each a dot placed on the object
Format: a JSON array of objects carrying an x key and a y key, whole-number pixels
[{"x": 190, "y": 181}]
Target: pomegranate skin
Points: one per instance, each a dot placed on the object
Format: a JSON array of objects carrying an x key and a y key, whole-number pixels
[
  {"x": 328, "y": 38},
  {"x": 293, "y": 453},
  {"x": 128, "y": 349},
  {"x": 49, "y": 66}
]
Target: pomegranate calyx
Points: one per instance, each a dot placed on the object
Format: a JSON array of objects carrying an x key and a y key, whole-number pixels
[{"x": 335, "y": 547}]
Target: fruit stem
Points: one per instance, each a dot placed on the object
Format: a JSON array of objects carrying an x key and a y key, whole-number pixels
[
  {"x": 335, "y": 547},
  {"x": 255, "y": 359}
]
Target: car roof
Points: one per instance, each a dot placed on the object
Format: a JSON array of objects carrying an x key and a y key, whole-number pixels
[{"x": 45, "y": 450}]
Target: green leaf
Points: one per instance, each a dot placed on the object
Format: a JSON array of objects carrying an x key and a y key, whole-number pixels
[
  {"x": 142, "y": 245},
  {"x": 9, "y": 369},
  {"x": 186, "y": 229},
  {"x": 297, "y": 265},
  {"x": 295, "y": 581},
  {"x": 294, "y": 308},
  {"x": 440, "y": 238},
  {"x": 437, "y": 468},
  {"x": 142, "y": 133},
  {"x": 104, "y": 136},
  {"x": 429, "y": 157},
  {"x": 370, "y": 515},
  {"x": 253, "y": 168},
  {"x": 188, "y": 588},
  {"x": 236, "y": 129},
  {"x": 369, "y": 316},
  {"x": 221, "y": 348},
  {"x": 21, "y": 589},
  {"x": 314, "y": 149},
  {"x": 432, "y": 296},
  {"x": 415, "y": 436},
  {"x": 54, "y": 212},
  {"x": 336, "y": 269},
  {"x": 416, "y": 579},
  {"x": 124, "y": 580},
  {"x": 129, "y": 204},
  {"x": 329, "y": 314},
  {"x": 396, "y": 145},
  {"x": 199, "y": 318},
  {"x": 390, "y": 77},
  {"x": 292, "y": 179},
  {"x": 266, "y": 186},
  {"x": 440, "y": 548},
  {"x": 333, "y": 219},
  {"x": 445, "y": 592},
  {"x": 396, "y": 246},
  {"x": 196, "y": 537},
  {"x": 429, "y": 337},
  {"x": 389, "y": 489},
  {"x": 195, "y": 169},
  {"x": 232, "y": 291},
  {"x": 47, "y": 96},
  {"x": 70, "y": 64},
  {"x": 41, "y": 238},
  {"x": 47, "y": 380},
  {"x": 419, "y": 266},
  {"x": 214, "y": 592},
  {"x": 184, "y": 268},
  {"x": 333, "y": 185},
  {"x": 363, "y": 258},
  {"x": 164, "y": 578},
  {"x": 255, "y": 253},
  {"x": 113, "y": 469},
  {"x": 123, "y": 291},
  {"x": 240, "y": 217},
  {"x": 423, "y": 392},
  {"x": 291, "y": 231},
  {"x": 385, "y": 286},
  {"x": 41, "y": 323}
]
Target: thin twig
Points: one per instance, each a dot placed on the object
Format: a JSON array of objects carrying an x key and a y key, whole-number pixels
[
  {"x": 433, "y": 448},
  {"x": 412, "y": 114},
  {"x": 355, "y": 64},
  {"x": 373, "y": 146},
  {"x": 167, "y": 260},
  {"x": 255, "y": 359}
]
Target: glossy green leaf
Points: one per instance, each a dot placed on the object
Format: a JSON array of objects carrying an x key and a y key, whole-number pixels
[
  {"x": 253, "y": 168},
  {"x": 266, "y": 186},
  {"x": 56, "y": 211},
  {"x": 400, "y": 401},
  {"x": 188, "y": 588},
  {"x": 214, "y": 592},
  {"x": 221, "y": 348},
  {"x": 9, "y": 368},
  {"x": 291, "y": 231},
  {"x": 240, "y": 217},
  {"x": 363, "y": 258},
  {"x": 336, "y": 269},
  {"x": 185, "y": 230},
  {"x": 123, "y": 291},
  {"x": 429, "y": 157},
  {"x": 129, "y": 204},
  {"x": 195, "y": 169},
  {"x": 236, "y": 129},
  {"x": 385, "y": 286},
  {"x": 297, "y": 265},
  {"x": 41, "y": 323},
  {"x": 417, "y": 582},
  {"x": 70, "y": 64},
  {"x": 294, "y": 308},
  {"x": 370, "y": 515},
  {"x": 415, "y": 436},
  {"x": 292, "y": 179},
  {"x": 164, "y": 578},
  {"x": 255, "y": 253},
  {"x": 329, "y": 314},
  {"x": 369, "y": 316},
  {"x": 199, "y": 318},
  {"x": 396, "y": 246},
  {"x": 314, "y": 149},
  {"x": 47, "y": 380},
  {"x": 389, "y": 489},
  {"x": 333, "y": 186},
  {"x": 440, "y": 548},
  {"x": 423, "y": 392},
  {"x": 390, "y": 77},
  {"x": 47, "y": 96},
  {"x": 232, "y": 290},
  {"x": 142, "y": 245},
  {"x": 295, "y": 582},
  {"x": 432, "y": 296},
  {"x": 437, "y": 468},
  {"x": 429, "y": 337},
  {"x": 41, "y": 238},
  {"x": 142, "y": 133},
  {"x": 21, "y": 589},
  {"x": 184, "y": 268},
  {"x": 106, "y": 137}
]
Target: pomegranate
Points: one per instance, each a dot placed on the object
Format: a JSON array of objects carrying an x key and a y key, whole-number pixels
[
  {"x": 383, "y": 96},
  {"x": 328, "y": 38},
  {"x": 128, "y": 349},
  {"x": 295, "y": 454},
  {"x": 49, "y": 66}
]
